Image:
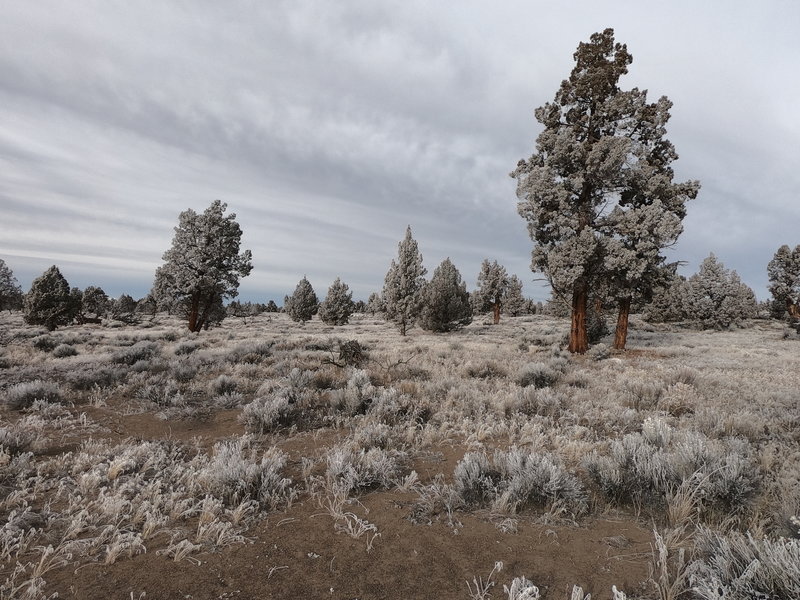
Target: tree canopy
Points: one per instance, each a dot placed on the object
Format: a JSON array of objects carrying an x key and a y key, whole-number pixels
[
  {"x": 403, "y": 285},
  {"x": 49, "y": 301},
  {"x": 204, "y": 264},
  {"x": 10, "y": 290},
  {"x": 598, "y": 194}
]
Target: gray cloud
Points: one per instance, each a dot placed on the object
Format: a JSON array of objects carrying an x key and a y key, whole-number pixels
[{"x": 328, "y": 127}]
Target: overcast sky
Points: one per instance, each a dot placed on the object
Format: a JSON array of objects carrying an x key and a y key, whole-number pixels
[{"x": 327, "y": 127}]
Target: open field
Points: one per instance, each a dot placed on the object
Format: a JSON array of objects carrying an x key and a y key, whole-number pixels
[{"x": 256, "y": 461}]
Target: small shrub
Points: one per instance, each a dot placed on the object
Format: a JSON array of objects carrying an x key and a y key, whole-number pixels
[
  {"x": 88, "y": 376},
  {"x": 538, "y": 375},
  {"x": 223, "y": 385},
  {"x": 734, "y": 565},
  {"x": 266, "y": 414},
  {"x": 64, "y": 350},
  {"x": 486, "y": 370},
  {"x": 187, "y": 347},
  {"x": 143, "y": 350},
  {"x": 599, "y": 352},
  {"x": 24, "y": 395},
  {"x": 251, "y": 353},
  {"x": 45, "y": 343}
]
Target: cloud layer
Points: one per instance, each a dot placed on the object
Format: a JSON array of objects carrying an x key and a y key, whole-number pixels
[{"x": 328, "y": 127}]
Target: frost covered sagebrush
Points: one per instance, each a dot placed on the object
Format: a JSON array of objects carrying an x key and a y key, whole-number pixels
[
  {"x": 514, "y": 480},
  {"x": 645, "y": 467},
  {"x": 24, "y": 395}
]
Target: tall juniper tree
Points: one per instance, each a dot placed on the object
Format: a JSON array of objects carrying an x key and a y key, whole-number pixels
[
  {"x": 515, "y": 303},
  {"x": 784, "y": 280},
  {"x": 600, "y": 172},
  {"x": 203, "y": 266},
  {"x": 303, "y": 303},
  {"x": 492, "y": 288},
  {"x": 49, "y": 301},
  {"x": 446, "y": 300},
  {"x": 403, "y": 285},
  {"x": 10, "y": 290},
  {"x": 338, "y": 304}
]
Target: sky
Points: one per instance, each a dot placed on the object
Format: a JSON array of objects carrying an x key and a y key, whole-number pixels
[{"x": 329, "y": 127}]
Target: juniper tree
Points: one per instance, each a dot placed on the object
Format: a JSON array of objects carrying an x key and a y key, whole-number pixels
[
  {"x": 784, "y": 280},
  {"x": 446, "y": 304},
  {"x": 10, "y": 290},
  {"x": 94, "y": 301},
  {"x": 374, "y": 304},
  {"x": 492, "y": 288},
  {"x": 204, "y": 264},
  {"x": 403, "y": 285},
  {"x": 303, "y": 303},
  {"x": 601, "y": 155},
  {"x": 515, "y": 304},
  {"x": 49, "y": 302},
  {"x": 716, "y": 297},
  {"x": 338, "y": 304}
]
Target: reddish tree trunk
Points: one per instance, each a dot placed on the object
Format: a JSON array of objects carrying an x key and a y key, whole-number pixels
[
  {"x": 621, "y": 335},
  {"x": 578, "y": 338},
  {"x": 194, "y": 310},
  {"x": 496, "y": 310}
]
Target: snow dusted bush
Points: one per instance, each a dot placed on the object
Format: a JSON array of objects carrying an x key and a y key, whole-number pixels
[
  {"x": 515, "y": 480},
  {"x": 645, "y": 467},
  {"x": 266, "y": 414},
  {"x": 23, "y": 395},
  {"x": 223, "y": 384},
  {"x": 735, "y": 565},
  {"x": 357, "y": 395},
  {"x": 64, "y": 350},
  {"x": 234, "y": 474},
  {"x": 539, "y": 375},
  {"x": 350, "y": 470},
  {"x": 142, "y": 350}
]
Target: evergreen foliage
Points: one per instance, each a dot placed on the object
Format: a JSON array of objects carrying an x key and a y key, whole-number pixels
[
  {"x": 492, "y": 288},
  {"x": 374, "y": 304},
  {"x": 94, "y": 301},
  {"x": 404, "y": 284},
  {"x": 716, "y": 297},
  {"x": 446, "y": 301},
  {"x": 303, "y": 303},
  {"x": 599, "y": 181},
  {"x": 784, "y": 280},
  {"x": 49, "y": 302},
  {"x": 338, "y": 304},
  {"x": 515, "y": 303},
  {"x": 10, "y": 290},
  {"x": 203, "y": 266}
]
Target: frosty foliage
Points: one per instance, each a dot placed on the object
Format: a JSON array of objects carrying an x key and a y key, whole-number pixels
[
  {"x": 517, "y": 479},
  {"x": 10, "y": 291},
  {"x": 338, "y": 304},
  {"x": 784, "y": 279},
  {"x": 735, "y": 565},
  {"x": 49, "y": 302},
  {"x": 644, "y": 468},
  {"x": 716, "y": 297},
  {"x": 203, "y": 265},
  {"x": 302, "y": 304},
  {"x": 94, "y": 301},
  {"x": 515, "y": 303},
  {"x": 598, "y": 194},
  {"x": 446, "y": 304},
  {"x": 404, "y": 284},
  {"x": 492, "y": 288}
]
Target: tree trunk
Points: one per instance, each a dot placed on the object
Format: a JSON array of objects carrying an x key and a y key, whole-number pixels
[
  {"x": 496, "y": 309},
  {"x": 578, "y": 338},
  {"x": 194, "y": 310},
  {"x": 621, "y": 335}
]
